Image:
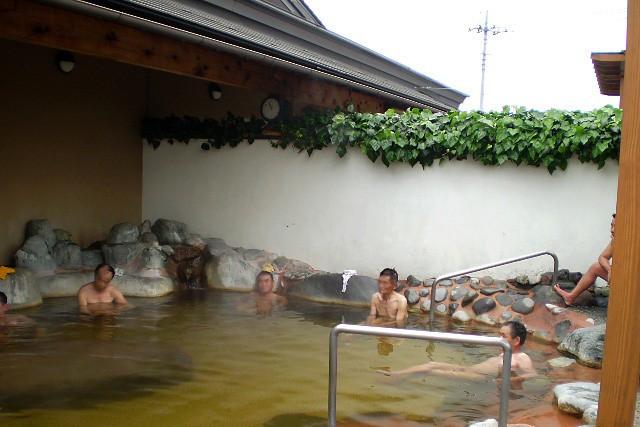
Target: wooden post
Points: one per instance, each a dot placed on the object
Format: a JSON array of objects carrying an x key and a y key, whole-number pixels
[{"x": 622, "y": 346}]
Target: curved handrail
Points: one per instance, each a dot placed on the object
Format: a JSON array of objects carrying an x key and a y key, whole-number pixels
[{"x": 485, "y": 267}]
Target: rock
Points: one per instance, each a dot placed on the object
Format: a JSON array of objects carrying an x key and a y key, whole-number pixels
[
  {"x": 123, "y": 233},
  {"x": 425, "y": 306},
  {"x": 62, "y": 235},
  {"x": 21, "y": 289},
  {"x": 168, "y": 250},
  {"x": 517, "y": 292},
  {"x": 563, "y": 274},
  {"x": 522, "y": 280},
  {"x": 429, "y": 282},
  {"x": 67, "y": 255},
  {"x": 253, "y": 254},
  {"x": 399, "y": 288},
  {"x": 183, "y": 253},
  {"x": 484, "y": 318},
  {"x": 230, "y": 271},
  {"x": 560, "y": 362},
  {"x": 506, "y": 316},
  {"x": 566, "y": 285},
  {"x": 281, "y": 262},
  {"x": 474, "y": 281},
  {"x": 441, "y": 309},
  {"x": 601, "y": 301},
  {"x": 91, "y": 258},
  {"x": 475, "y": 285},
  {"x": 170, "y": 232},
  {"x": 42, "y": 228},
  {"x": 63, "y": 284},
  {"x": 469, "y": 297},
  {"x": 518, "y": 319},
  {"x": 578, "y": 397},
  {"x": 453, "y": 307},
  {"x": 122, "y": 254},
  {"x": 37, "y": 246},
  {"x": 462, "y": 279},
  {"x": 196, "y": 241},
  {"x": 424, "y": 292},
  {"x": 412, "y": 281},
  {"x": 575, "y": 277},
  {"x": 298, "y": 274},
  {"x": 97, "y": 245},
  {"x": 602, "y": 291},
  {"x": 534, "y": 279},
  {"x": 590, "y": 415},
  {"x": 554, "y": 309},
  {"x": 487, "y": 280},
  {"x": 445, "y": 282},
  {"x": 149, "y": 238},
  {"x": 145, "y": 227},
  {"x": 523, "y": 305},
  {"x": 458, "y": 292},
  {"x": 461, "y": 316},
  {"x": 543, "y": 336},
  {"x": 483, "y": 305},
  {"x": 562, "y": 328},
  {"x": 504, "y": 300},
  {"x": 546, "y": 278},
  {"x": 412, "y": 296},
  {"x": 587, "y": 344},
  {"x": 136, "y": 286},
  {"x": 152, "y": 258},
  {"x": 327, "y": 288},
  {"x": 490, "y": 291},
  {"x": 486, "y": 423},
  {"x": 441, "y": 294},
  {"x": 543, "y": 294},
  {"x": 503, "y": 285}
]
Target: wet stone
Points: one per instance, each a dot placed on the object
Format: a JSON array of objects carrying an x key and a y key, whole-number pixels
[
  {"x": 412, "y": 296},
  {"x": 425, "y": 306},
  {"x": 601, "y": 301},
  {"x": 487, "y": 280},
  {"x": 483, "y": 305},
  {"x": 441, "y": 294},
  {"x": 458, "y": 293},
  {"x": 563, "y": 274},
  {"x": 517, "y": 292},
  {"x": 424, "y": 292},
  {"x": 504, "y": 300},
  {"x": 543, "y": 294},
  {"x": 502, "y": 285},
  {"x": 566, "y": 285},
  {"x": 484, "y": 318},
  {"x": 523, "y": 306},
  {"x": 461, "y": 316},
  {"x": 445, "y": 282},
  {"x": 490, "y": 291},
  {"x": 469, "y": 297},
  {"x": 412, "y": 281},
  {"x": 561, "y": 362},
  {"x": 41, "y": 227},
  {"x": 123, "y": 233},
  {"x": 562, "y": 329},
  {"x": 475, "y": 286},
  {"x": 429, "y": 282},
  {"x": 462, "y": 279},
  {"x": 506, "y": 316},
  {"x": 441, "y": 309},
  {"x": 399, "y": 288},
  {"x": 453, "y": 307},
  {"x": 62, "y": 235},
  {"x": 522, "y": 280}
]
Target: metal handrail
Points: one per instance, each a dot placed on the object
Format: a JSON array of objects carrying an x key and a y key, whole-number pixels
[
  {"x": 485, "y": 267},
  {"x": 420, "y": 335}
]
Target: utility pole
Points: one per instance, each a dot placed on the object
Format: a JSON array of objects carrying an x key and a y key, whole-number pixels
[{"x": 485, "y": 30}]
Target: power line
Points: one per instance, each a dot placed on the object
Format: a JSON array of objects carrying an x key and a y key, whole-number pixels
[{"x": 485, "y": 30}]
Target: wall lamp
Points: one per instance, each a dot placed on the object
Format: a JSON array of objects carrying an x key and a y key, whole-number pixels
[
  {"x": 215, "y": 91},
  {"x": 65, "y": 62}
]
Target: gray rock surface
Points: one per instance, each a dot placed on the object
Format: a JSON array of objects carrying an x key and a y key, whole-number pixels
[
  {"x": 21, "y": 289},
  {"x": 217, "y": 246},
  {"x": 484, "y": 318},
  {"x": 42, "y": 228},
  {"x": 37, "y": 246},
  {"x": 441, "y": 294},
  {"x": 441, "y": 309},
  {"x": 424, "y": 292},
  {"x": 123, "y": 233},
  {"x": 453, "y": 307},
  {"x": 577, "y": 398},
  {"x": 122, "y": 254},
  {"x": 34, "y": 255},
  {"x": 562, "y": 329},
  {"x": 462, "y": 279},
  {"x": 413, "y": 281},
  {"x": 543, "y": 294},
  {"x": 561, "y": 362},
  {"x": 506, "y": 316},
  {"x": 487, "y": 280},
  {"x": 148, "y": 238},
  {"x": 136, "y": 286},
  {"x": 328, "y": 288},
  {"x": 151, "y": 257},
  {"x": 62, "y": 235},
  {"x": 145, "y": 227},
  {"x": 461, "y": 316},
  {"x": 67, "y": 255},
  {"x": 170, "y": 232},
  {"x": 523, "y": 305},
  {"x": 63, "y": 284},
  {"x": 445, "y": 282},
  {"x": 490, "y": 291},
  {"x": 253, "y": 254},
  {"x": 458, "y": 292},
  {"x": 483, "y": 305},
  {"x": 91, "y": 258},
  {"x": 68, "y": 284},
  {"x": 425, "y": 306},
  {"x": 587, "y": 344},
  {"x": 230, "y": 271},
  {"x": 469, "y": 297},
  {"x": 412, "y": 296},
  {"x": 504, "y": 300}
]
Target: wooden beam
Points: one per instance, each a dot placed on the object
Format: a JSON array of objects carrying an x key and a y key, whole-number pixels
[
  {"x": 622, "y": 346},
  {"x": 35, "y": 23},
  {"x": 607, "y": 57}
]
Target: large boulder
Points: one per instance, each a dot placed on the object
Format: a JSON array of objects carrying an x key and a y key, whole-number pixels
[
  {"x": 62, "y": 235},
  {"x": 42, "y": 228},
  {"x": 123, "y": 233},
  {"x": 68, "y": 284},
  {"x": 91, "y": 258},
  {"x": 152, "y": 258},
  {"x": 63, "y": 284},
  {"x": 217, "y": 246},
  {"x": 231, "y": 271},
  {"x": 579, "y": 398},
  {"x": 170, "y": 232},
  {"x": 327, "y": 288},
  {"x": 122, "y": 254},
  {"x": 587, "y": 344},
  {"x": 545, "y": 294},
  {"x": 34, "y": 255},
  {"x": 37, "y": 246},
  {"x": 67, "y": 255},
  {"x": 21, "y": 289}
]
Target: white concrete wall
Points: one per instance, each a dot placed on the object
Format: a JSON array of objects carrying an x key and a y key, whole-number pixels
[{"x": 349, "y": 213}]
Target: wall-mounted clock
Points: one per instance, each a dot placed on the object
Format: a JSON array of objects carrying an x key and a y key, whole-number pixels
[{"x": 271, "y": 108}]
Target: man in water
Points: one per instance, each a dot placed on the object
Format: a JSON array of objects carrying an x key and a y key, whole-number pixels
[
  {"x": 263, "y": 294},
  {"x": 100, "y": 291},
  {"x": 388, "y": 307},
  {"x": 11, "y": 319},
  {"x": 522, "y": 368},
  {"x": 602, "y": 269}
]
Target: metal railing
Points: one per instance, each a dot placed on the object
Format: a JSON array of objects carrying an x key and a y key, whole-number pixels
[
  {"x": 421, "y": 335},
  {"x": 485, "y": 267}
]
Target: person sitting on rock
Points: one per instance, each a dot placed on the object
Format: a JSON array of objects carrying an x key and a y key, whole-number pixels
[
  {"x": 388, "y": 307},
  {"x": 522, "y": 368},
  {"x": 100, "y": 291},
  {"x": 263, "y": 294},
  {"x": 11, "y": 319},
  {"x": 601, "y": 268}
]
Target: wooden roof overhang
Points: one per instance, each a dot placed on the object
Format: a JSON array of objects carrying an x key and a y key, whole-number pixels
[{"x": 609, "y": 71}]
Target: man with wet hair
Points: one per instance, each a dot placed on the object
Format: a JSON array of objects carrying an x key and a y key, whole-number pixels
[
  {"x": 100, "y": 291},
  {"x": 264, "y": 283},
  {"x": 515, "y": 333},
  {"x": 264, "y": 297},
  {"x": 388, "y": 307},
  {"x": 11, "y": 319},
  {"x": 601, "y": 268}
]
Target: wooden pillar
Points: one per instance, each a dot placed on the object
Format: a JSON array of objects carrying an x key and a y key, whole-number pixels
[{"x": 622, "y": 346}]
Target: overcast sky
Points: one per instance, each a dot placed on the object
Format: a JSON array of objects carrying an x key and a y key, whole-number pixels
[{"x": 542, "y": 62}]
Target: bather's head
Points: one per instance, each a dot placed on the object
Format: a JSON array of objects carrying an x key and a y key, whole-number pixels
[
  {"x": 387, "y": 281},
  {"x": 514, "y": 332},
  {"x": 3, "y": 303},
  {"x": 103, "y": 275},
  {"x": 264, "y": 283}
]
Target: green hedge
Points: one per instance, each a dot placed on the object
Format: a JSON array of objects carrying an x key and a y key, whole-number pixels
[{"x": 422, "y": 137}]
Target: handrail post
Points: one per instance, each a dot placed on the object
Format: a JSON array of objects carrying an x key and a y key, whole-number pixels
[
  {"x": 333, "y": 375},
  {"x": 485, "y": 267}
]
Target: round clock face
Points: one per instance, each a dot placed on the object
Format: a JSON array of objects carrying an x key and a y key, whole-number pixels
[{"x": 270, "y": 108}]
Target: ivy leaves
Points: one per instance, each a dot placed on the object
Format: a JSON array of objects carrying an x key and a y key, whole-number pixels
[{"x": 515, "y": 135}]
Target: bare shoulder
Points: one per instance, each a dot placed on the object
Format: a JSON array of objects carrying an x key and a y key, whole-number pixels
[
  {"x": 399, "y": 297},
  {"x": 84, "y": 288},
  {"x": 375, "y": 297}
]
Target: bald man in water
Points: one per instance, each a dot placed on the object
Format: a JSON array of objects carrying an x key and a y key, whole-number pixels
[{"x": 100, "y": 290}]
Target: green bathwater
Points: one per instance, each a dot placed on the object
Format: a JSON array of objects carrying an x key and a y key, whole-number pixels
[{"x": 208, "y": 358}]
